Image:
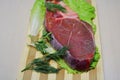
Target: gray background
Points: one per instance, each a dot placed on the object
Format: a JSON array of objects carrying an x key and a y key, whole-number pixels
[{"x": 14, "y": 18}]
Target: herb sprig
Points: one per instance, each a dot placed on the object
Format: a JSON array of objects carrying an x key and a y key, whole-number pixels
[
  {"x": 54, "y": 7},
  {"x": 39, "y": 65},
  {"x": 42, "y": 64},
  {"x": 41, "y": 44},
  {"x": 57, "y": 55}
]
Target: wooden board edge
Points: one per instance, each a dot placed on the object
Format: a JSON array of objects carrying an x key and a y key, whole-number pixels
[
  {"x": 100, "y": 71},
  {"x": 23, "y": 57}
]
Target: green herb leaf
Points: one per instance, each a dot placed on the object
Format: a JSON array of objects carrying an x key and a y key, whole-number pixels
[
  {"x": 57, "y": 55},
  {"x": 54, "y": 7},
  {"x": 39, "y": 65},
  {"x": 46, "y": 69},
  {"x": 93, "y": 65},
  {"x": 46, "y": 35},
  {"x": 39, "y": 62},
  {"x": 28, "y": 67},
  {"x": 41, "y": 45}
]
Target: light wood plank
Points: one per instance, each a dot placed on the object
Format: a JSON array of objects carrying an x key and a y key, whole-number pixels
[
  {"x": 31, "y": 56},
  {"x": 77, "y": 77},
  {"x": 93, "y": 74},
  {"x": 68, "y": 76},
  {"x": 85, "y": 76},
  {"x": 43, "y": 76},
  {"x": 35, "y": 75},
  {"x": 52, "y": 76},
  {"x": 99, "y": 68},
  {"x": 60, "y": 75}
]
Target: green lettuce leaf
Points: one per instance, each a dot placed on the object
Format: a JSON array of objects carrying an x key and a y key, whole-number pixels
[
  {"x": 37, "y": 17},
  {"x": 95, "y": 59},
  {"x": 63, "y": 65},
  {"x": 84, "y": 9}
]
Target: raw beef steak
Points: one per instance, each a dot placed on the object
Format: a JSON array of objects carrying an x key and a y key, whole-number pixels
[{"x": 68, "y": 30}]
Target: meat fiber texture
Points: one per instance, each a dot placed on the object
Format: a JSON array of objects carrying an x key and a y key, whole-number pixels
[{"x": 68, "y": 30}]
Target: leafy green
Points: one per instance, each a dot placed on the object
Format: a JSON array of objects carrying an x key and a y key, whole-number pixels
[
  {"x": 54, "y": 7},
  {"x": 46, "y": 69},
  {"x": 42, "y": 64},
  {"x": 57, "y": 55},
  {"x": 37, "y": 17},
  {"x": 85, "y": 10},
  {"x": 95, "y": 59},
  {"x": 65, "y": 66},
  {"x": 41, "y": 45},
  {"x": 46, "y": 35},
  {"x": 39, "y": 65},
  {"x": 28, "y": 67}
]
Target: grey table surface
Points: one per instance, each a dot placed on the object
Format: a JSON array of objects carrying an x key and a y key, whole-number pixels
[{"x": 14, "y": 18}]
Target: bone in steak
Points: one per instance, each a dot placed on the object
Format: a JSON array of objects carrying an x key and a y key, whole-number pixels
[{"x": 68, "y": 30}]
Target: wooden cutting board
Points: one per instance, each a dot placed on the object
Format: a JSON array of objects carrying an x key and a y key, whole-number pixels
[{"x": 30, "y": 53}]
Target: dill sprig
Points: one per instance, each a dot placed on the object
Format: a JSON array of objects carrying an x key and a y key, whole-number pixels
[{"x": 54, "y": 7}]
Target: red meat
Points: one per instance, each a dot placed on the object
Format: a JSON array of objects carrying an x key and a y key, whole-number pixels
[{"x": 68, "y": 30}]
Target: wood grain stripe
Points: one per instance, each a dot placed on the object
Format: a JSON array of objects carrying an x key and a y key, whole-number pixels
[
  {"x": 60, "y": 75},
  {"x": 93, "y": 74},
  {"x": 85, "y": 76},
  {"x": 43, "y": 76},
  {"x": 31, "y": 56},
  {"x": 35, "y": 75},
  {"x": 68, "y": 76},
  {"x": 100, "y": 72},
  {"x": 52, "y": 76},
  {"x": 77, "y": 77},
  {"x": 99, "y": 68}
]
